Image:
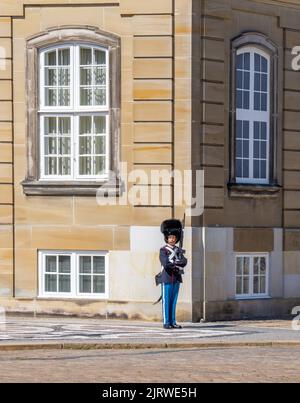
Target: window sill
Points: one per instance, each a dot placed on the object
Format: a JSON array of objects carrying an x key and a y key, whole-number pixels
[
  {"x": 253, "y": 191},
  {"x": 71, "y": 188},
  {"x": 251, "y": 298},
  {"x": 101, "y": 298}
]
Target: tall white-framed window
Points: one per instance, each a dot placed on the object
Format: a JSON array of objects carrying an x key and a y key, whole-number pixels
[
  {"x": 252, "y": 116},
  {"x": 252, "y": 275},
  {"x": 73, "y": 274},
  {"x": 74, "y": 112}
]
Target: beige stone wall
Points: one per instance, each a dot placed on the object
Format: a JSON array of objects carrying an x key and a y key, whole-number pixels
[
  {"x": 223, "y": 21},
  {"x": 6, "y": 160},
  {"x": 155, "y": 133}
]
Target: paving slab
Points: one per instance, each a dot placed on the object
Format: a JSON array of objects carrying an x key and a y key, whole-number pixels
[{"x": 66, "y": 332}]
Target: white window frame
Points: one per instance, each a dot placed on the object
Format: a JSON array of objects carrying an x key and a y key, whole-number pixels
[
  {"x": 74, "y": 294},
  {"x": 73, "y": 111},
  {"x": 251, "y": 294},
  {"x": 252, "y": 116}
]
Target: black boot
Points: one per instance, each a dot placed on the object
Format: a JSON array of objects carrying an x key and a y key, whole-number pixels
[{"x": 175, "y": 326}]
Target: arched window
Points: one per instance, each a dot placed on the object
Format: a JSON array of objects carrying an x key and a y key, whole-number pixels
[
  {"x": 252, "y": 115},
  {"x": 253, "y": 111},
  {"x": 73, "y": 112}
]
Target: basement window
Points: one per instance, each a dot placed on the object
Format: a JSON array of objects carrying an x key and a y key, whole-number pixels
[
  {"x": 73, "y": 274},
  {"x": 252, "y": 276}
]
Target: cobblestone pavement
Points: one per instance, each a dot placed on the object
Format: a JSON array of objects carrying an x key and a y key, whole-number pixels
[
  {"x": 184, "y": 365},
  {"x": 76, "y": 330},
  {"x": 50, "y": 329}
]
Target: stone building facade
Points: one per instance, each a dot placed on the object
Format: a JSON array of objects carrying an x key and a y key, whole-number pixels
[{"x": 209, "y": 85}]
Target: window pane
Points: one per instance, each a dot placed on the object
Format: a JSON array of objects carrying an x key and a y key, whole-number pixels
[
  {"x": 85, "y": 76},
  {"x": 64, "y": 283},
  {"x": 239, "y": 148},
  {"x": 257, "y": 82},
  {"x": 100, "y": 75},
  {"x": 239, "y": 80},
  {"x": 85, "y": 264},
  {"x": 263, "y": 149},
  {"x": 50, "y": 165},
  {"x": 256, "y": 265},
  {"x": 257, "y": 101},
  {"x": 256, "y": 169},
  {"x": 247, "y": 81},
  {"x": 85, "y": 145},
  {"x": 256, "y": 285},
  {"x": 246, "y": 288},
  {"x": 64, "y": 57},
  {"x": 239, "y": 285},
  {"x": 239, "y": 99},
  {"x": 263, "y": 130},
  {"x": 99, "y": 264},
  {"x": 64, "y": 125},
  {"x": 50, "y": 58},
  {"x": 239, "y": 168},
  {"x": 264, "y": 102},
  {"x": 85, "y": 56},
  {"x": 245, "y": 168},
  {"x": 86, "y": 96},
  {"x": 63, "y": 77},
  {"x": 50, "y": 77},
  {"x": 100, "y": 165},
  {"x": 50, "y": 97},
  {"x": 100, "y": 96},
  {"x": 264, "y": 82},
  {"x": 246, "y": 129},
  {"x": 85, "y": 125},
  {"x": 50, "y": 283},
  {"x": 64, "y": 166},
  {"x": 246, "y": 149},
  {"x": 50, "y": 145},
  {"x": 63, "y": 97},
  {"x": 257, "y": 62},
  {"x": 85, "y": 165},
  {"x": 264, "y": 65},
  {"x": 64, "y": 145},
  {"x": 100, "y": 56},
  {"x": 246, "y": 61},
  {"x": 246, "y": 266},
  {"x": 240, "y": 62},
  {"x": 263, "y": 170},
  {"x": 99, "y": 285},
  {"x": 246, "y": 101},
  {"x": 263, "y": 266},
  {"x": 263, "y": 285},
  {"x": 239, "y": 266},
  {"x": 99, "y": 125},
  {"x": 51, "y": 264},
  {"x": 64, "y": 264},
  {"x": 85, "y": 284},
  {"x": 50, "y": 126},
  {"x": 256, "y": 132},
  {"x": 256, "y": 149},
  {"x": 100, "y": 144}
]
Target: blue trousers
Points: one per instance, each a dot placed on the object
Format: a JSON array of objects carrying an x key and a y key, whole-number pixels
[{"x": 169, "y": 301}]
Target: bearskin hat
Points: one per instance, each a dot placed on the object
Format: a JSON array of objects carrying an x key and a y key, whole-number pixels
[{"x": 171, "y": 227}]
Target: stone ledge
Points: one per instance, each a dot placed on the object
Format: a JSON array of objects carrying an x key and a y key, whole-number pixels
[
  {"x": 72, "y": 188},
  {"x": 253, "y": 191}
]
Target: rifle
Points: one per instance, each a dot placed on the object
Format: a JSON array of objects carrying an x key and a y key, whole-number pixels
[{"x": 182, "y": 239}]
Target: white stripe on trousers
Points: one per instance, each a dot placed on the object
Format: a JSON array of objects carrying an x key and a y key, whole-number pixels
[{"x": 164, "y": 301}]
